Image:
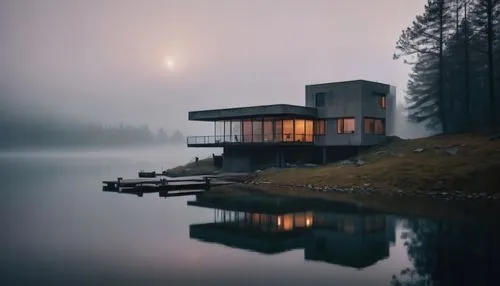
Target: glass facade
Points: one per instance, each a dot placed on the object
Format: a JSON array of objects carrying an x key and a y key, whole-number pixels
[
  {"x": 269, "y": 130},
  {"x": 374, "y": 126},
  {"x": 346, "y": 125}
]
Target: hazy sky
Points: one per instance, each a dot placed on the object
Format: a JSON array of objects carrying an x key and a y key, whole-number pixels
[{"x": 151, "y": 61}]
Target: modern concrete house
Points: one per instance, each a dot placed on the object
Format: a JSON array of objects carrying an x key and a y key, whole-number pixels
[{"x": 337, "y": 120}]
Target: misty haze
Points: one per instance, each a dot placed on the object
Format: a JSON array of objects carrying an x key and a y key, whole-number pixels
[
  {"x": 85, "y": 65},
  {"x": 249, "y": 142}
]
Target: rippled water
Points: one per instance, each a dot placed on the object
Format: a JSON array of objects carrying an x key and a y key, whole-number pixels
[{"x": 59, "y": 228}]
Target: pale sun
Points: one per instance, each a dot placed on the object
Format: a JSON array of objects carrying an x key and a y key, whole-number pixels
[{"x": 169, "y": 63}]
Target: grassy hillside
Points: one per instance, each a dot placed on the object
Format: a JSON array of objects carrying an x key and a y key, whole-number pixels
[{"x": 465, "y": 162}]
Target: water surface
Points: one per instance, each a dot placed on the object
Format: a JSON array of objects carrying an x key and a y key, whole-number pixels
[{"x": 60, "y": 228}]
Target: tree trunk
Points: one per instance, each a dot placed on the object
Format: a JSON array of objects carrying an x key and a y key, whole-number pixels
[
  {"x": 491, "y": 89},
  {"x": 467, "y": 113},
  {"x": 442, "y": 114}
]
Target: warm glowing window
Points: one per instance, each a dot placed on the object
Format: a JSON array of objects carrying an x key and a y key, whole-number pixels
[
  {"x": 300, "y": 130},
  {"x": 268, "y": 131},
  {"x": 278, "y": 131},
  {"x": 382, "y": 100},
  {"x": 288, "y": 130},
  {"x": 247, "y": 131},
  {"x": 346, "y": 125},
  {"x": 319, "y": 127},
  {"x": 379, "y": 126},
  {"x": 288, "y": 222},
  {"x": 309, "y": 130},
  {"x": 302, "y": 219},
  {"x": 257, "y": 131},
  {"x": 373, "y": 126},
  {"x": 299, "y": 220}
]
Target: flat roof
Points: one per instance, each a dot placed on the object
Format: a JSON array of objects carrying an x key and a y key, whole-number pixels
[
  {"x": 253, "y": 111},
  {"x": 349, "y": 81}
]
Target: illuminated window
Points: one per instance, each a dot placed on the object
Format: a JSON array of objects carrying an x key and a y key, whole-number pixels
[
  {"x": 288, "y": 222},
  {"x": 288, "y": 130},
  {"x": 382, "y": 100},
  {"x": 278, "y": 131},
  {"x": 319, "y": 127},
  {"x": 309, "y": 130},
  {"x": 379, "y": 126},
  {"x": 247, "y": 130},
  {"x": 346, "y": 125},
  {"x": 268, "y": 130},
  {"x": 373, "y": 126},
  {"x": 300, "y": 130},
  {"x": 257, "y": 131}
]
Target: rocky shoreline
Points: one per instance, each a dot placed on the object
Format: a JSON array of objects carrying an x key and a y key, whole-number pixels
[{"x": 368, "y": 189}]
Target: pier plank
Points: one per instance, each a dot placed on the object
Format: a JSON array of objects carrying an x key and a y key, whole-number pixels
[{"x": 166, "y": 187}]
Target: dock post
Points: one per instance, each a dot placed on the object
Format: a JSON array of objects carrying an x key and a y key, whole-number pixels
[
  {"x": 207, "y": 183},
  {"x": 118, "y": 183}
]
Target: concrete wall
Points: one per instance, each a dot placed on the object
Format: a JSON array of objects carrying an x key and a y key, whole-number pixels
[
  {"x": 352, "y": 99},
  {"x": 371, "y": 108},
  {"x": 342, "y": 100},
  {"x": 390, "y": 124}
]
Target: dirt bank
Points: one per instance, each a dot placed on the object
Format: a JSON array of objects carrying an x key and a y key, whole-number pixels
[{"x": 466, "y": 163}]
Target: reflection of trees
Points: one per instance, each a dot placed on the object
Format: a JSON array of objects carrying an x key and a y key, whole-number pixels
[{"x": 449, "y": 253}]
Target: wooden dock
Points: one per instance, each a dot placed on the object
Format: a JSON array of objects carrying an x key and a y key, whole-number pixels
[{"x": 166, "y": 187}]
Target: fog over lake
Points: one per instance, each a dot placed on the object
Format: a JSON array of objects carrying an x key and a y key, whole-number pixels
[{"x": 60, "y": 228}]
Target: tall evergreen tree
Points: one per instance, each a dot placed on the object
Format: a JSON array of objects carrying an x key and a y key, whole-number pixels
[
  {"x": 425, "y": 42},
  {"x": 457, "y": 72},
  {"x": 485, "y": 19},
  {"x": 422, "y": 91}
]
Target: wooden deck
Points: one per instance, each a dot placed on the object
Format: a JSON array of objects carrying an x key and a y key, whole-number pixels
[{"x": 166, "y": 187}]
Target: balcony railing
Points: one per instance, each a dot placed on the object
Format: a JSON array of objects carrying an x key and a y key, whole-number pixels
[{"x": 218, "y": 140}]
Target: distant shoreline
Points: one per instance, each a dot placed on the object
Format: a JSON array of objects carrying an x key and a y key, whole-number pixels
[{"x": 105, "y": 147}]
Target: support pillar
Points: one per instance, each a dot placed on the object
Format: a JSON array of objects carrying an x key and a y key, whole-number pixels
[
  {"x": 323, "y": 155},
  {"x": 279, "y": 156}
]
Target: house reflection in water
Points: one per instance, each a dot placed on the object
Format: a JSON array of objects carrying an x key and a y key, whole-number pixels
[{"x": 348, "y": 237}]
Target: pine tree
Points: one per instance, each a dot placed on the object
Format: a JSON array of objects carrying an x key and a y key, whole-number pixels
[
  {"x": 457, "y": 72},
  {"x": 425, "y": 42},
  {"x": 485, "y": 19},
  {"x": 422, "y": 91}
]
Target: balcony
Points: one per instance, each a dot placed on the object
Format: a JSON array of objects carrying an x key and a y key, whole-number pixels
[{"x": 270, "y": 139}]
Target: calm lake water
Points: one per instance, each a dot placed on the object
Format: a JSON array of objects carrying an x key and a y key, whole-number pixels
[{"x": 59, "y": 228}]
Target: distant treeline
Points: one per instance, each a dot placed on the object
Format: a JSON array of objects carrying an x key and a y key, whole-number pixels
[
  {"x": 34, "y": 134},
  {"x": 454, "y": 50}
]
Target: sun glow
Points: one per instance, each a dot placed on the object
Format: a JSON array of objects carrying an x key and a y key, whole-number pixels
[{"x": 169, "y": 63}]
